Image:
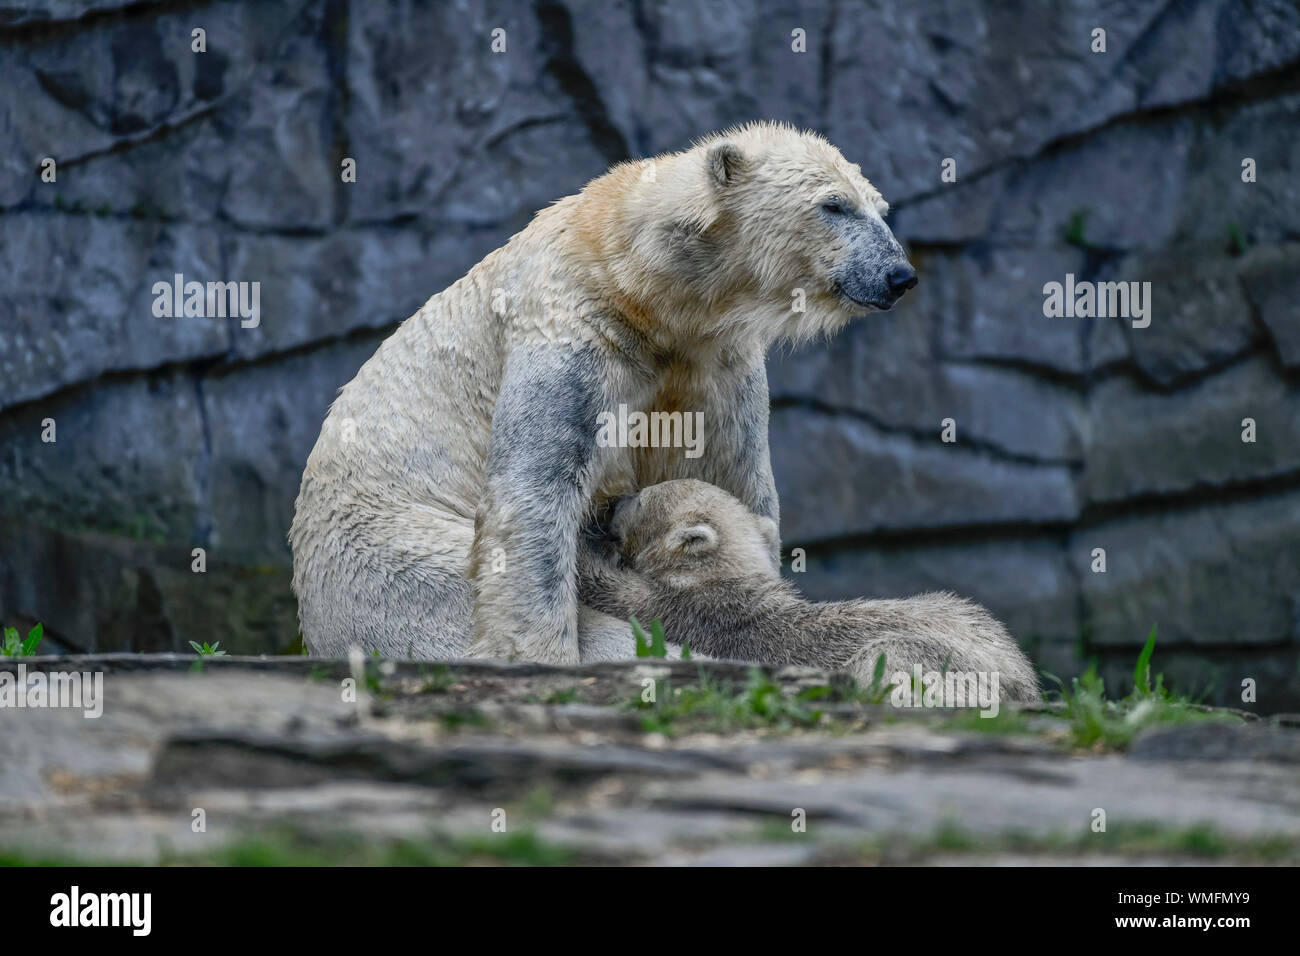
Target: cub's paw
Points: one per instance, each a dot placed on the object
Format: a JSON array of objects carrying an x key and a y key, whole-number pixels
[{"x": 596, "y": 546}]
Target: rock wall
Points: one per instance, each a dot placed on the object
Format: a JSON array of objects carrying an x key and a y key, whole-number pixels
[{"x": 1071, "y": 434}]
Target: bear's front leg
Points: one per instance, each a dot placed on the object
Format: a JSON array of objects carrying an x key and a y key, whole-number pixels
[
  {"x": 539, "y": 481},
  {"x": 736, "y": 455}
]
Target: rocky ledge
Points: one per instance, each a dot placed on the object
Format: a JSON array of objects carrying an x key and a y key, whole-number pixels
[{"x": 298, "y": 760}]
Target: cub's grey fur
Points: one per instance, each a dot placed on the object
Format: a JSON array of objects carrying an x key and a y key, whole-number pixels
[
  {"x": 691, "y": 555},
  {"x": 439, "y": 510}
]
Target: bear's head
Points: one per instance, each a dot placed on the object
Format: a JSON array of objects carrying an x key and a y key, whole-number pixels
[
  {"x": 762, "y": 229},
  {"x": 801, "y": 216},
  {"x": 686, "y": 533}
]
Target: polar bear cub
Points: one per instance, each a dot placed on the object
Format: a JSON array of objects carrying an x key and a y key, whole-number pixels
[{"x": 693, "y": 556}]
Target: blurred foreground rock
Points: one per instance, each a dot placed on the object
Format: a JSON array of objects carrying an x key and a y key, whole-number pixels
[{"x": 285, "y": 770}]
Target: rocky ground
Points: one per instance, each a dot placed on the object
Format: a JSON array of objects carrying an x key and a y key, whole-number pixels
[{"x": 521, "y": 763}]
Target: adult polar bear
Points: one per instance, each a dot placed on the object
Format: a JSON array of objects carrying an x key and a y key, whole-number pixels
[{"x": 440, "y": 509}]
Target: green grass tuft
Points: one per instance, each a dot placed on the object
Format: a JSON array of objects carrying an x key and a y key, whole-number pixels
[
  {"x": 207, "y": 650},
  {"x": 1096, "y": 721},
  {"x": 708, "y": 706},
  {"x": 293, "y": 847},
  {"x": 653, "y": 646},
  {"x": 1074, "y": 232},
  {"x": 16, "y": 646}
]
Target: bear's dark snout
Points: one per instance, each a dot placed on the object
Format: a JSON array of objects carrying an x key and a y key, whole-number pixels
[{"x": 901, "y": 278}]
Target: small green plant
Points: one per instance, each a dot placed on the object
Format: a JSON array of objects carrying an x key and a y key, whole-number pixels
[
  {"x": 652, "y": 646},
  {"x": 437, "y": 679},
  {"x": 873, "y": 694},
  {"x": 1075, "y": 228},
  {"x": 1142, "y": 672},
  {"x": 560, "y": 696},
  {"x": 142, "y": 527},
  {"x": 655, "y": 645},
  {"x": 321, "y": 672},
  {"x": 1006, "y": 721},
  {"x": 374, "y": 682},
  {"x": 711, "y": 706},
  {"x": 204, "y": 651},
  {"x": 464, "y": 717},
  {"x": 208, "y": 650},
  {"x": 1096, "y": 721},
  {"x": 15, "y": 646},
  {"x": 566, "y": 695},
  {"x": 878, "y": 689},
  {"x": 1236, "y": 240}
]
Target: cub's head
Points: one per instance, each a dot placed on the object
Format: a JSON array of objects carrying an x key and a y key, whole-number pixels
[
  {"x": 687, "y": 532},
  {"x": 800, "y": 216}
]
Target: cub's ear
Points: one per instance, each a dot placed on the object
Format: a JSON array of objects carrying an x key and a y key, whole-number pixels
[
  {"x": 695, "y": 539},
  {"x": 726, "y": 162}
]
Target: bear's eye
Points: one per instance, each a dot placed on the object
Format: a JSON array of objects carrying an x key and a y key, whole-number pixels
[{"x": 834, "y": 206}]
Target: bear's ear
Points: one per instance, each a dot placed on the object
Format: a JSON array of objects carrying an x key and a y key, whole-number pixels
[
  {"x": 694, "y": 539},
  {"x": 726, "y": 162}
]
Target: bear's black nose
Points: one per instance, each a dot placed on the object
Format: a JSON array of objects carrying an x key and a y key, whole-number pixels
[{"x": 901, "y": 278}]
